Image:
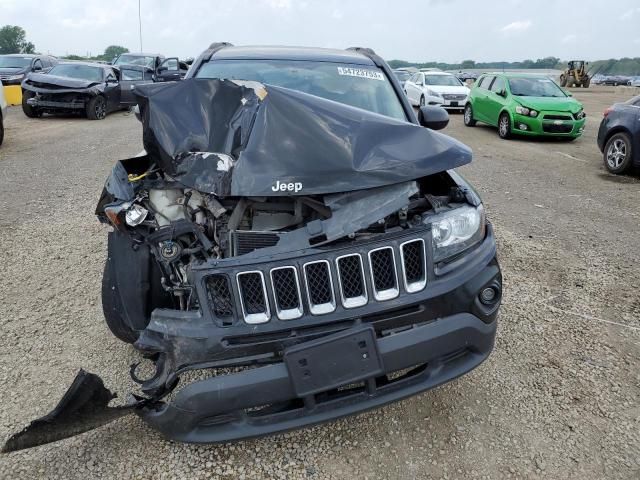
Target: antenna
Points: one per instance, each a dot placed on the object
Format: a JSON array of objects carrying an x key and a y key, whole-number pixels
[{"x": 140, "y": 25}]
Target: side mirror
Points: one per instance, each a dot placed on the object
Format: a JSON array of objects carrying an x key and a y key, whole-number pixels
[
  {"x": 112, "y": 80},
  {"x": 435, "y": 118},
  {"x": 502, "y": 93},
  {"x": 37, "y": 68}
]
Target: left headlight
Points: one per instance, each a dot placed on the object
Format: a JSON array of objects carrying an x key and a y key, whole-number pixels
[
  {"x": 15, "y": 77},
  {"x": 580, "y": 115},
  {"x": 456, "y": 230},
  {"x": 526, "y": 111}
]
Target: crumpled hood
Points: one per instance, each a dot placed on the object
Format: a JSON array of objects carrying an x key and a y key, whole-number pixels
[
  {"x": 65, "y": 82},
  {"x": 554, "y": 104},
  {"x": 246, "y": 139}
]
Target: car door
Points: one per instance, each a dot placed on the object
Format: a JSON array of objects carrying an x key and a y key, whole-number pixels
[
  {"x": 496, "y": 100},
  {"x": 130, "y": 76},
  {"x": 480, "y": 98},
  {"x": 169, "y": 70},
  {"x": 112, "y": 90}
]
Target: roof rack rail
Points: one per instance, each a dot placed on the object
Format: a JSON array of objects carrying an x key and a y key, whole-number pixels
[
  {"x": 219, "y": 45},
  {"x": 363, "y": 49}
]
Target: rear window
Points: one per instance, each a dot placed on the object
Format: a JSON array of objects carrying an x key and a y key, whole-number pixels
[
  {"x": 485, "y": 82},
  {"x": 361, "y": 86}
]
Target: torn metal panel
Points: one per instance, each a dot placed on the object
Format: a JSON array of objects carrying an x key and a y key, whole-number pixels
[{"x": 84, "y": 407}]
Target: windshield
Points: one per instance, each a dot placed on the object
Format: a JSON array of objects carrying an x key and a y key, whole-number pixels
[
  {"x": 445, "y": 80},
  {"x": 360, "y": 86},
  {"x": 82, "y": 72},
  {"x": 135, "y": 60},
  {"x": 402, "y": 76},
  {"x": 535, "y": 87},
  {"x": 14, "y": 62}
]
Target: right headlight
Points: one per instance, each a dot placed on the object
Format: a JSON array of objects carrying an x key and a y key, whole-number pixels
[{"x": 456, "y": 230}]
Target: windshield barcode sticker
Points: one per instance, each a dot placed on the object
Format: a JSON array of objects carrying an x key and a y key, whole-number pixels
[{"x": 360, "y": 72}]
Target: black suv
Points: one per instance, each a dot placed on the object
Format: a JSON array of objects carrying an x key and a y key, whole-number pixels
[
  {"x": 299, "y": 240},
  {"x": 15, "y": 67}
]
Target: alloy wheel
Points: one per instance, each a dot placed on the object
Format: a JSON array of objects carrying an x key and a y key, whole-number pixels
[
  {"x": 100, "y": 109},
  {"x": 467, "y": 115},
  {"x": 504, "y": 126},
  {"x": 617, "y": 153}
]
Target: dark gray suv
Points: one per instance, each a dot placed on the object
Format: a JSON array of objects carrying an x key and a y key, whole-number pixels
[{"x": 297, "y": 239}]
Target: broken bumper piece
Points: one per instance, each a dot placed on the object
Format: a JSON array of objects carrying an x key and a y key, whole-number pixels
[
  {"x": 271, "y": 399},
  {"x": 83, "y": 407}
]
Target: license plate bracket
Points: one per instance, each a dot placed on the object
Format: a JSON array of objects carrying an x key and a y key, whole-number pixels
[
  {"x": 347, "y": 357},
  {"x": 454, "y": 104}
]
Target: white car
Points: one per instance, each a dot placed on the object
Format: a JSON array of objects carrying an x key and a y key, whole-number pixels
[
  {"x": 436, "y": 88},
  {"x": 3, "y": 112}
]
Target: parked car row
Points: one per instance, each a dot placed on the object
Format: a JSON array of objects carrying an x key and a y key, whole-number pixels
[
  {"x": 615, "y": 80},
  {"x": 92, "y": 88}
]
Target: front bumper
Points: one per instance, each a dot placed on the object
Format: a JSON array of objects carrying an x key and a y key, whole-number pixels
[
  {"x": 262, "y": 400},
  {"x": 441, "y": 332},
  {"x": 56, "y": 105},
  {"x": 453, "y": 104},
  {"x": 548, "y": 124}
]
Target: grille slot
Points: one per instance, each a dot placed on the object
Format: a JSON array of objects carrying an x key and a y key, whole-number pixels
[
  {"x": 219, "y": 292},
  {"x": 353, "y": 291},
  {"x": 286, "y": 290},
  {"x": 317, "y": 278},
  {"x": 253, "y": 297},
  {"x": 247, "y": 242},
  {"x": 553, "y": 128},
  {"x": 413, "y": 265},
  {"x": 384, "y": 276},
  {"x": 557, "y": 117}
]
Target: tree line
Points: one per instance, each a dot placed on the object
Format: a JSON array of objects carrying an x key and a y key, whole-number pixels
[{"x": 613, "y": 66}]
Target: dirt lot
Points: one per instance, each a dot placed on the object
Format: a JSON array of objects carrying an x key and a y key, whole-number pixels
[{"x": 557, "y": 399}]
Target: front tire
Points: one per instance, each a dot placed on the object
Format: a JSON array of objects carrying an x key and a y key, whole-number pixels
[
  {"x": 96, "y": 108},
  {"x": 618, "y": 153},
  {"x": 468, "y": 116},
  {"x": 28, "y": 110},
  {"x": 504, "y": 126}
]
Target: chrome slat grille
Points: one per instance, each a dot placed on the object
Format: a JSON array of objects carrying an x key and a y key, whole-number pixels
[
  {"x": 383, "y": 273},
  {"x": 286, "y": 290},
  {"x": 317, "y": 277},
  {"x": 413, "y": 265},
  {"x": 253, "y": 297},
  {"x": 353, "y": 290},
  {"x": 387, "y": 268}
]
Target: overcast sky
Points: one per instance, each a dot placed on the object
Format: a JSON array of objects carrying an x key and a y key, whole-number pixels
[{"x": 416, "y": 30}]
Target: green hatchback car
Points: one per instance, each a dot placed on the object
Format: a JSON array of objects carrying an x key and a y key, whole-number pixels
[{"x": 525, "y": 105}]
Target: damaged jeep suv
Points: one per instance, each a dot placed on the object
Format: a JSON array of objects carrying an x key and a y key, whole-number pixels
[{"x": 296, "y": 239}]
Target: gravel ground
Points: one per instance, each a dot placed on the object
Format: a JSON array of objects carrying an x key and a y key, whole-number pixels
[{"x": 557, "y": 399}]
